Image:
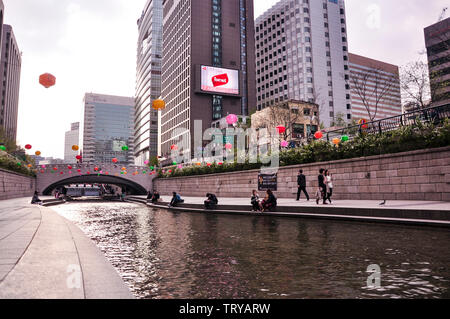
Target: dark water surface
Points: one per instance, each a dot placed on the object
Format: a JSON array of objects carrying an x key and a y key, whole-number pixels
[{"x": 161, "y": 254}]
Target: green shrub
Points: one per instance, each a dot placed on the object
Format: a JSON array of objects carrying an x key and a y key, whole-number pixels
[{"x": 408, "y": 138}]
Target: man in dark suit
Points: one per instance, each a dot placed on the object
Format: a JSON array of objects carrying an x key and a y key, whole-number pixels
[{"x": 301, "y": 182}]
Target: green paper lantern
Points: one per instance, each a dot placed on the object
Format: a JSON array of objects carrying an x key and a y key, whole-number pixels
[
  {"x": 144, "y": 172},
  {"x": 125, "y": 148},
  {"x": 152, "y": 167},
  {"x": 174, "y": 163},
  {"x": 19, "y": 164},
  {"x": 344, "y": 138},
  {"x": 3, "y": 148}
]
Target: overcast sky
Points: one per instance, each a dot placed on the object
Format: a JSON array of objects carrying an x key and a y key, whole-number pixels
[{"x": 90, "y": 46}]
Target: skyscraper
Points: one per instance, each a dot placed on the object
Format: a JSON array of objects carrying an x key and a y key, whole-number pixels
[
  {"x": 302, "y": 54},
  {"x": 10, "y": 67},
  {"x": 375, "y": 88},
  {"x": 106, "y": 128},
  {"x": 72, "y": 138},
  {"x": 437, "y": 40},
  {"x": 148, "y": 81},
  {"x": 208, "y": 66}
]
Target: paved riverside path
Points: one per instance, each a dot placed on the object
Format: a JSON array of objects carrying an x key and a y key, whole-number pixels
[
  {"x": 44, "y": 256},
  {"x": 404, "y": 212}
]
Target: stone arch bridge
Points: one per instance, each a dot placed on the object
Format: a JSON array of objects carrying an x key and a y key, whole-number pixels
[{"x": 136, "y": 179}]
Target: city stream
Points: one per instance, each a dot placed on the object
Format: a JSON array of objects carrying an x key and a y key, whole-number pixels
[{"x": 161, "y": 254}]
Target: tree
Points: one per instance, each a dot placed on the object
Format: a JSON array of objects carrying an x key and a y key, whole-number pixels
[
  {"x": 415, "y": 85},
  {"x": 283, "y": 115},
  {"x": 372, "y": 87}
]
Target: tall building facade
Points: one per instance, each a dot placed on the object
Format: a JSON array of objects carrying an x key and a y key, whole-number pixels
[
  {"x": 302, "y": 54},
  {"x": 437, "y": 41},
  {"x": 10, "y": 67},
  {"x": 72, "y": 138},
  {"x": 208, "y": 68},
  {"x": 148, "y": 81},
  {"x": 106, "y": 128},
  {"x": 375, "y": 88}
]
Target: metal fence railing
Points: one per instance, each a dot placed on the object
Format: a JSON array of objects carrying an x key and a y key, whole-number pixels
[{"x": 429, "y": 115}]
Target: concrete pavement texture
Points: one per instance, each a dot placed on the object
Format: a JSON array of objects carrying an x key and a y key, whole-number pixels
[{"x": 44, "y": 256}]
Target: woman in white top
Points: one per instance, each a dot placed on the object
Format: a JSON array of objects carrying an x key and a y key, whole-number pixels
[{"x": 329, "y": 182}]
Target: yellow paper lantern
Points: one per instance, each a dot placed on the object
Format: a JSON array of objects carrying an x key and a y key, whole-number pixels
[
  {"x": 159, "y": 104},
  {"x": 75, "y": 147}
]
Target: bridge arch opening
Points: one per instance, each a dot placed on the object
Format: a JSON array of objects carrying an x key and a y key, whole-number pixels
[{"x": 132, "y": 187}]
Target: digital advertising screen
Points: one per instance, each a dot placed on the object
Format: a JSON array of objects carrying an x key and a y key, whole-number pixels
[{"x": 219, "y": 80}]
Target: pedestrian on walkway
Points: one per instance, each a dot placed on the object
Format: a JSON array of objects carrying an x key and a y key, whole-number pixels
[
  {"x": 301, "y": 182},
  {"x": 322, "y": 186},
  {"x": 329, "y": 181}
]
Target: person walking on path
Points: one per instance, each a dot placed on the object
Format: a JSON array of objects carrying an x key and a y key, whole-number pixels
[
  {"x": 322, "y": 186},
  {"x": 301, "y": 182},
  {"x": 329, "y": 181}
]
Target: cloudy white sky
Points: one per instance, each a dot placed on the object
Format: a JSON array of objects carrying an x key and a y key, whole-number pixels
[{"x": 90, "y": 46}]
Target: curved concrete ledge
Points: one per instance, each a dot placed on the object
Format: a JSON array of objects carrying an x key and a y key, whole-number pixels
[
  {"x": 59, "y": 262},
  {"x": 405, "y": 216}
]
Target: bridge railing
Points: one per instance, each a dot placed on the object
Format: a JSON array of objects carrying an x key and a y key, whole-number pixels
[{"x": 434, "y": 115}]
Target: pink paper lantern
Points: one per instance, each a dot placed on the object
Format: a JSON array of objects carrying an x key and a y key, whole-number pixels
[
  {"x": 228, "y": 146},
  {"x": 284, "y": 144},
  {"x": 232, "y": 119}
]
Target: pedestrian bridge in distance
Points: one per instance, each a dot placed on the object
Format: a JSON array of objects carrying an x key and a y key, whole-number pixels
[{"x": 136, "y": 179}]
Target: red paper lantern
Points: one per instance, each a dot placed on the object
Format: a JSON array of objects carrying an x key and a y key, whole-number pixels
[
  {"x": 61, "y": 173},
  {"x": 79, "y": 170},
  {"x": 47, "y": 80},
  {"x": 96, "y": 169},
  {"x": 55, "y": 168},
  {"x": 69, "y": 167},
  {"x": 28, "y": 147},
  {"x": 318, "y": 135},
  {"x": 78, "y": 157},
  {"x": 115, "y": 160},
  {"x": 281, "y": 129},
  {"x": 174, "y": 147}
]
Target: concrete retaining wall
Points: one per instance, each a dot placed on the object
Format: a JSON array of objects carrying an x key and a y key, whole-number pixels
[
  {"x": 416, "y": 175},
  {"x": 13, "y": 185}
]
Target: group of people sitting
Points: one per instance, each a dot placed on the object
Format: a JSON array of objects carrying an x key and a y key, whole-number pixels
[
  {"x": 269, "y": 203},
  {"x": 153, "y": 197}
]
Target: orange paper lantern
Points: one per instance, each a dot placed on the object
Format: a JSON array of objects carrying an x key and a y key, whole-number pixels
[
  {"x": 47, "y": 80},
  {"x": 159, "y": 104}
]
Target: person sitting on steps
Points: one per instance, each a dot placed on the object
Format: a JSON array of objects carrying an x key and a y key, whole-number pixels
[
  {"x": 211, "y": 201},
  {"x": 269, "y": 202},
  {"x": 176, "y": 199}
]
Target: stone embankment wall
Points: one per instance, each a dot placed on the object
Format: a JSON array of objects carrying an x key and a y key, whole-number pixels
[
  {"x": 416, "y": 175},
  {"x": 13, "y": 185}
]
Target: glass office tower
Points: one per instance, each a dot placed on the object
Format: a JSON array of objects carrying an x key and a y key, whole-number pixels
[
  {"x": 148, "y": 81},
  {"x": 106, "y": 128}
]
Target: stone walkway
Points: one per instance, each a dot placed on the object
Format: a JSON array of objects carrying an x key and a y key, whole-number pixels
[{"x": 44, "y": 256}]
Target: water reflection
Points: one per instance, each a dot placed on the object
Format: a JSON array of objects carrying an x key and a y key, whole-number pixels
[{"x": 161, "y": 254}]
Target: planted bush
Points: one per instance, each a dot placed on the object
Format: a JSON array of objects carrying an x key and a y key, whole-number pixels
[{"x": 404, "y": 139}]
